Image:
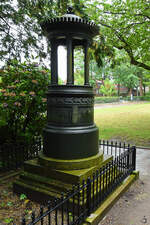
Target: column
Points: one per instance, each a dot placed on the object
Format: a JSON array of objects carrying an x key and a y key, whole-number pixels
[
  {"x": 54, "y": 62},
  {"x": 86, "y": 63},
  {"x": 72, "y": 64},
  {"x": 69, "y": 61}
]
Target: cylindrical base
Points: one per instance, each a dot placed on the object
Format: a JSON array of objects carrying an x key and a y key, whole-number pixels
[
  {"x": 70, "y": 143},
  {"x": 70, "y": 165}
]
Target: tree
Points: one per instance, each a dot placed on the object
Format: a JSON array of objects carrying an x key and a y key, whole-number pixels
[
  {"x": 146, "y": 80},
  {"x": 108, "y": 88},
  {"x": 125, "y": 74},
  {"x": 124, "y": 25},
  {"x": 20, "y": 31}
]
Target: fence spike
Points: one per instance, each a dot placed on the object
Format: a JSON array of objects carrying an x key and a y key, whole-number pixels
[
  {"x": 41, "y": 209},
  {"x": 83, "y": 182},
  {"x": 49, "y": 205},
  {"x": 93, "y": 176},
  {"x": 33, "y": 216}
]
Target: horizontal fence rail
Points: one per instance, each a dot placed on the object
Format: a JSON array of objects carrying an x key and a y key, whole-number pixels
[{"x": 73, "y": 207}]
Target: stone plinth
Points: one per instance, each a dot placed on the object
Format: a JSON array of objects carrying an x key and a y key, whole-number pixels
[{"x": 44, "y": 178}]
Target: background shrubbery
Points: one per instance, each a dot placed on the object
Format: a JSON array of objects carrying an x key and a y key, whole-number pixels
[
  {"x": 119, "y": 99},
  {"x": 106, "y": 99},
  {"x": 22, "y": 101}
]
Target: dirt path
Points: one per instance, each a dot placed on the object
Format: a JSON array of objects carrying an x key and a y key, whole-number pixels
[{"x": 133, "y": 208}]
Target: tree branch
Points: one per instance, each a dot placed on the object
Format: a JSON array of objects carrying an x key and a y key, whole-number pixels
[
  {"x": 123, "y": 13},
  {"x": 133, "y": 24},
  {"x": 127, "y": 48},
  {"x": 114, "y": 13}
]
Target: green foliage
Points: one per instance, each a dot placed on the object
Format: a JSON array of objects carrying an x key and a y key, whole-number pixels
[
  {"x": 9, "y": 204},
  {"x": 78, "y": 67},
  {"x": 100, "y": 99},
  {"x": 106, "y": 99},
  {"x": 126, "y": 75},
  {"x": 8, "y": 220},
  {"x": 124, "y": 25},
  {"x": 108, "y": 89},
  {"x": 97, "y": 73},
  {"x": 23, "y": 197},
  {"x": 20, "y": 26},
  {"x": 22, "y": 101}
]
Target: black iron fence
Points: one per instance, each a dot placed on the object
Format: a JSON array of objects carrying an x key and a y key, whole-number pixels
[
  {"x": 113, "y": 147},
  {"x": 13, "y": 155},
  {"x": 82, "y": 200}
]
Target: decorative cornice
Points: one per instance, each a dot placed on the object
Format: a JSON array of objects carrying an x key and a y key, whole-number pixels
[{"x": 71, "y": 18}]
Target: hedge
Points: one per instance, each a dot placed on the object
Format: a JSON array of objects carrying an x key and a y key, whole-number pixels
[{"x": 118, "y": 99}]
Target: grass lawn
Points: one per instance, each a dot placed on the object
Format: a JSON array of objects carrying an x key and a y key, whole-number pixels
[{"x": 130, "y": 123}]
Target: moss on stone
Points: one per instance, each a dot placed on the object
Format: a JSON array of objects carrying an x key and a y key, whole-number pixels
[{"x": 77, "y": 164}]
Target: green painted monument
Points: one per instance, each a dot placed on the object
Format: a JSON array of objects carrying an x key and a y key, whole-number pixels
[{"x": 70, "y": 138}]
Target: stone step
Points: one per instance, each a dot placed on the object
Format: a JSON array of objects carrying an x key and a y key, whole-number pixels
[
  {"x": 66, "y": 176},
  {"x": 40, "y": 182},
  {"x": 35, "y": 192},
  {"x": 47, "y": 182}
]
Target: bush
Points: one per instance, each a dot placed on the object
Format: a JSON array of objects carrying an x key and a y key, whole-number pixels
[
  {"x": 106, "y": 99},
  {"x": 22, "y": 101},
  {"x": 108, "y": 89},
  {"x": 118, "y": 99},
  {"x": 144, "y": 98},
  {"x": 137, "y": 98}
]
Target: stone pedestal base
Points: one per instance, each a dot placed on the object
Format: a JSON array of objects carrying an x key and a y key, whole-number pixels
[{"x": 45, "y": 178}]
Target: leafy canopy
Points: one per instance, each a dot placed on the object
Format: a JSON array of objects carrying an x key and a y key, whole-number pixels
[{"x": 123, "y": 25}]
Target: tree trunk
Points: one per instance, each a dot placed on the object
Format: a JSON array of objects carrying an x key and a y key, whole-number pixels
[
  {"x": 130, "y": 92},
  {"x": 141, "y": 86},
  {"x": 144, "y": 89}
]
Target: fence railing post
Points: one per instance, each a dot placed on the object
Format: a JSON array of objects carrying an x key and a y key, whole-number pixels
[
  {"x": 23, "y": 221},
  {"x": 128, "y": 158},
  {"x": 88, "y": 197},
  {"x": 134, "y": 157}
]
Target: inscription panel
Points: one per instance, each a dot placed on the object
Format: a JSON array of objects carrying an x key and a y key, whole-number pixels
[
  {"x": 60, "y": 116},
  {"x": 70, "y": 111},
  {"x": 86, "y": 115},
  {"x": 73, "y": 116}
]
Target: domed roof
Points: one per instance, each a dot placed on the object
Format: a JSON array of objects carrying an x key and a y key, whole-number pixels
[{"x": 70, "y": 23}]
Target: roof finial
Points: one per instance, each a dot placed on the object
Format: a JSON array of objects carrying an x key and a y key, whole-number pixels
[{"x": 70, "y": 10}]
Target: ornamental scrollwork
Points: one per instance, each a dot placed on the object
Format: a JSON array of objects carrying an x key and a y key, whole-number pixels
[{"x": 70, "y": 101}]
